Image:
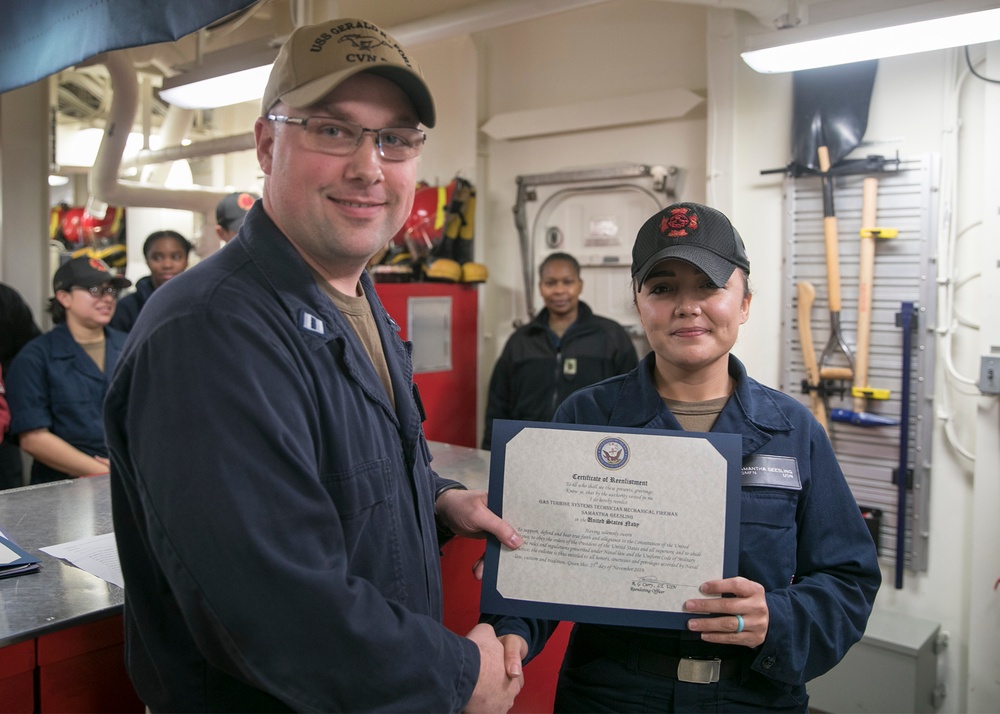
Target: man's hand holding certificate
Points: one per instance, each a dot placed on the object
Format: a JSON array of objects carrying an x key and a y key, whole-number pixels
[{"x": 620, "y": 527}]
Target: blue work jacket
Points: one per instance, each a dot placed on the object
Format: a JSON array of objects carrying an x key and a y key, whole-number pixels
[
  {"x": 274, "y": 512},
  {"x": 53, "y": 384},
  {"x": 809, "y": 546},
  {"x": 130, "y": 305}
]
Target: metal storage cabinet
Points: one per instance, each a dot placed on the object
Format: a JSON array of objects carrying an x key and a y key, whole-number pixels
[{"x": 894, "y": 668}]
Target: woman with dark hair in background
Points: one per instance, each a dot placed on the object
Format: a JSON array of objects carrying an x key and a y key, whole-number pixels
[
  {"x": 565, "y": 347},
  {"x": 166, "y": 255},
  {"x": 57, "y": 382}
]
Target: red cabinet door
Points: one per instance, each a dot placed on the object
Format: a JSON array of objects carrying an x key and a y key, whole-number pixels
[{"x": 448, "y": 395}]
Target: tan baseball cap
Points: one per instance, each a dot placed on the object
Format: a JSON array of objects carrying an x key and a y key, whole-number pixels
[{"x": 317, "y": 58}]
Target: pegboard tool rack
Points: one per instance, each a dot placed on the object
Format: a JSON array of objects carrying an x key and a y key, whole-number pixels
[{"x": 905, "y": 270}]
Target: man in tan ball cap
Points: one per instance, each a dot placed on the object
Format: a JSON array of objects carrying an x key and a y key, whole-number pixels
[{"x": 282, "y": 553}]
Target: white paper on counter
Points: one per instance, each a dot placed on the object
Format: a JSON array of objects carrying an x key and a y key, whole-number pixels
[{"x": 98, "y": 555}]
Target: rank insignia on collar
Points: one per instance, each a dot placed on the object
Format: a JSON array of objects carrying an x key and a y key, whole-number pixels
[{"x": 311, "y": 323}]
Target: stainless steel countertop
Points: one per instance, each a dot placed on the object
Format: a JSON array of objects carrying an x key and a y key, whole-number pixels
[
  {"x": 61, "y": 595},
  {"x": 470, "y": 466}
]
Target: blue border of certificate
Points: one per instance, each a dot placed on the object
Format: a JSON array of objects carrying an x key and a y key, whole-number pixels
[{"x": 492, "y": 602}]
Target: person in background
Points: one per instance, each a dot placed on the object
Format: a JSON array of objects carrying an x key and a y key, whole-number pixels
[
  {"x": 57, "y": 382},
  {"x": 286, "y": 555},
  {"x": 4, "y": 410},
  {"x": 230, "y": 212},
  {"x": 17, "y": 325},
  {"x": 17, "y": 328},
  {"x": 166, "y": 254},
  {"x": 565, "y": 347},
  {"x": 808, "y": 571}
]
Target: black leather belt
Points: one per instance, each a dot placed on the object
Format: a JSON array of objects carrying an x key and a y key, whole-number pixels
[{"x": 695, "y": 670}]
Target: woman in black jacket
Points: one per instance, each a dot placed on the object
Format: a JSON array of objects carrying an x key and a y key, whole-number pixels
[{"x": 566, "y": 347}]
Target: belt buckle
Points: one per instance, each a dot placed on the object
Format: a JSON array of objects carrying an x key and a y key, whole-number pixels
[{"x": 698, "y": 671}]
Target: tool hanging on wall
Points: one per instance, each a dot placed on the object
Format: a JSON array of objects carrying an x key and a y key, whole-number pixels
[
  {"x": 870, "y": 233},
  {"x": 812, "y": 384},
  {"x": 903, "y": 469},
  {"x": 861, "y": 418},
  {"x": 836, "y": 343},
  {"x": 861, "y": 390},
  {"x": 829, "y": 118}
]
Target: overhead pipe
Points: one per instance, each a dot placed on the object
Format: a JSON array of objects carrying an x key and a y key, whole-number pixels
[
  {"x": 195, "y": 150},
  {"x": 104, "y": 184},
  {"x": 175, "y": 128}
]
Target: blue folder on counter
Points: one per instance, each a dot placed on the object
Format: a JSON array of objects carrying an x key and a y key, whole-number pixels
[{"x": 14, "y": 560}]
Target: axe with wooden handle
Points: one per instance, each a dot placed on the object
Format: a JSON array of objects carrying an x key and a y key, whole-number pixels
[{"x": 807, "y": 295}]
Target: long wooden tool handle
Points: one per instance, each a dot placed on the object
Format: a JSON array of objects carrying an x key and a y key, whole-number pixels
[
  {"x": 866, "y": 284},
  {"x": 807, "y": 295},
  {"x": 830, "y": 232}
]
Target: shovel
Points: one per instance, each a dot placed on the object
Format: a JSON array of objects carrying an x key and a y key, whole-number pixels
[
  {"x": 830, "y": 108},
  {"x": 829, "y": 118}
]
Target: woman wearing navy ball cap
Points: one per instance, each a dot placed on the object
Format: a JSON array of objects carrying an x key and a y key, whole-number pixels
[
  {"x": 808, "y": 570},
  {"x": 57, "y": 381}
]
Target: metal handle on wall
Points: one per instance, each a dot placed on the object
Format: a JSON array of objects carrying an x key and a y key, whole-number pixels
[{"x": 906, "y": 322}]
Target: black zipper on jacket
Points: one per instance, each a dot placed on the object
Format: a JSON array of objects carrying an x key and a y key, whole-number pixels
[{"x": 555, "y": 382}]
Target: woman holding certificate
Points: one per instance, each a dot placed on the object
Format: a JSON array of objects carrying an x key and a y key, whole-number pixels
[{"x": 808, "y": 570}]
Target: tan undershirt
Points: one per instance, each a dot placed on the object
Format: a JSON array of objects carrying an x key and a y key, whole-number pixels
[
  {"x": 696, "y": 416},
  {"x": 96, "y": 351},
  {"x": 358, "y": 313}
]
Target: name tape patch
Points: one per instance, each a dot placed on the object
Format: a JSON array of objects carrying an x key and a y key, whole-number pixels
[{"x": 772, "y": 471}]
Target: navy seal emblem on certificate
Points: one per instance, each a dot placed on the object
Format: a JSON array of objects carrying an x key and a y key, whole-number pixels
[
  {"x": 612, "y": 453},
  {"x": 620, "y": 525}
]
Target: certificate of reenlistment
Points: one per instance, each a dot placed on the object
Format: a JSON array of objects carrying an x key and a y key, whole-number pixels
[{"x": 620, "y": 525}]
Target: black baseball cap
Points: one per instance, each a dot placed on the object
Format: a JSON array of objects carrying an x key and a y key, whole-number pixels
[
  {"x": 693, "y": 233},
  {"x": 86, "y": 272},
  {"x": 232, "y": 209}
]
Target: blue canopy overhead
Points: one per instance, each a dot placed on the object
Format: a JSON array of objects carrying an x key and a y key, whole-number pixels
[{"x": 41, "y": 37}]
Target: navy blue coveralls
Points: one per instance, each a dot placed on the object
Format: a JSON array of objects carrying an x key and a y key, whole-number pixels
[
  {"x": 808, "y": 546},
  {"x": 55, "y": 385},
  {"x": 274, "y": 513},
  {"x": 129, "y": 306}
]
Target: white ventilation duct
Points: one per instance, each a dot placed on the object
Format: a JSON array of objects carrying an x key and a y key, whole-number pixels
[{"x": 104, "y": 183}]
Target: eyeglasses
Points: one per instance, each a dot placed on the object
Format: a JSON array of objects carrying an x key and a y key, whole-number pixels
[
  {"x": 342, "y": 138},
  {"x": 99, "y": 290}
]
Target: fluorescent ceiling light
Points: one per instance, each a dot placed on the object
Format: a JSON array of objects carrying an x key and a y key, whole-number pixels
[
  {"x": 231, "y": 76},
  {"x": 242, "y": 86},
  {"x": 921, "y": 28}
]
